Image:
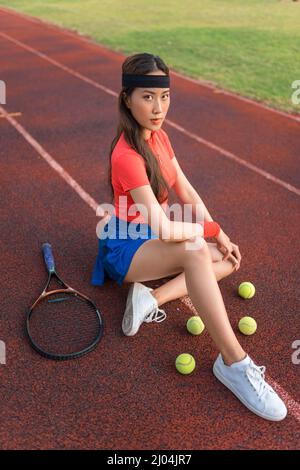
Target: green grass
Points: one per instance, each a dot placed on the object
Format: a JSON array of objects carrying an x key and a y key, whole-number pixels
[{"x": 247, "y": 46}]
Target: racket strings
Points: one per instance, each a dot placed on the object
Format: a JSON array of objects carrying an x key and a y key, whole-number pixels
[{"x": 64, "y": 323}]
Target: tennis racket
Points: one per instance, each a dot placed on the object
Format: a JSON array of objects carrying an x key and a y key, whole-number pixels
[{"x": 63, "y": 323}]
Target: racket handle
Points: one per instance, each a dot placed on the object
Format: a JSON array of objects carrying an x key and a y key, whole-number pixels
[{"x": 48, "y": 257}]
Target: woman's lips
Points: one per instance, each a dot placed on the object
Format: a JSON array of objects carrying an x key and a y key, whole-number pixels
[{"x": 156, "y": 121}]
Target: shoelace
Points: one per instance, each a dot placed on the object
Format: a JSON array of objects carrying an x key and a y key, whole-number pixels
[
  {"x": 256, "y": 376},
  {"x": 157, "y": 315}
]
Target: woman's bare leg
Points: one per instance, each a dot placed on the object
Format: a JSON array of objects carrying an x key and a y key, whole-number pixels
[
  {"x": 176, "y": 287},
  {"x": 206, "y": 297},
  {"x": 156, "y": 259}
]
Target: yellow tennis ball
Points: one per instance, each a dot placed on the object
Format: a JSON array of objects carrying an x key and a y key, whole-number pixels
[
  {"x": 185, "y": 363},
  {"x": 247, "y": 325},
  {"x": 246, "y": 290},
  {"x": 195, "y": 325}
]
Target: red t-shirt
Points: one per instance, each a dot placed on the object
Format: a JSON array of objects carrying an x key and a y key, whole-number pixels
[{"x": 129, "y": 172}]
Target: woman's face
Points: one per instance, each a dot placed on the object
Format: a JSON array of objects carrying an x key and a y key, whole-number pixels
[{"x": 147, "y": 104}]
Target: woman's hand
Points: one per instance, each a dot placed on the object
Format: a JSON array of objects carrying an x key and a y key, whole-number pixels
[{"x": 229, "y": 249}]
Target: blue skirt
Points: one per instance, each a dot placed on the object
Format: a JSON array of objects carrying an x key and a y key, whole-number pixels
[{"x": 117, "y": 244}]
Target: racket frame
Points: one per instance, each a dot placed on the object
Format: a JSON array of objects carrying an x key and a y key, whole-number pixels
[{"x": 67, "y": 290}]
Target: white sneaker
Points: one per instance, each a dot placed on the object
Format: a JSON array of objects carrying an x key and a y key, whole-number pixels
[
  {"x": 247, "y": 381},
  {"x": 141, "y": 306}
]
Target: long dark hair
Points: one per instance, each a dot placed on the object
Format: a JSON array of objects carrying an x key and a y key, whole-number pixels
[{"x": 139, "y": 64}]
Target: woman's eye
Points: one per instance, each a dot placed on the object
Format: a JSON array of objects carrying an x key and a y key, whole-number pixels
[{"x": 149, "y": 96}]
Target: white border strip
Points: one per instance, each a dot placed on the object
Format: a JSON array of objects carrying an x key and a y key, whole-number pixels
[
  {"x": 199, "y": 82},
  {"x": 181, "y": 129}
]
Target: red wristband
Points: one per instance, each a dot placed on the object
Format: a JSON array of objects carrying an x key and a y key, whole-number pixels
[{"x": 211, "y": 229}]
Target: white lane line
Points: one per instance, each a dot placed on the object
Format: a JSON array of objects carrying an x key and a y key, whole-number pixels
[
  {"x": 187, "y": 301},
  {"x": 179, "y": 128},
  {"x": 50, "y": 160},
  {"x": 293, "y": 405},
  {"x": 199, "y": 82},
  {"x": 59, "y": 64},
  {"x": 237, "y": 159},
  {"x": 217, "y": 89}
]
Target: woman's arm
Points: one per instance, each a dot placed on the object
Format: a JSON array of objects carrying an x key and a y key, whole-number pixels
[{"x": 162, "y": 226}]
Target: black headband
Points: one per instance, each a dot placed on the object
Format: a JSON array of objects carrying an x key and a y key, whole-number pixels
[{"x": 152, "y": 81}]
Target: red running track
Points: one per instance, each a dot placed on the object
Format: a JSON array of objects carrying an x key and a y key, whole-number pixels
[{"x": 242, "y": 158}]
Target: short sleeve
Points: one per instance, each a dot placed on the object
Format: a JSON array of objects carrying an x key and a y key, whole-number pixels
[
  {"x": 131, "y": 172},
  {"x": 168, "y": 144}
]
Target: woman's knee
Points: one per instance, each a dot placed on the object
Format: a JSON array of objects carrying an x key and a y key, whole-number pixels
[
  {"x": 197, "y": 249},
  {"x": 216, "y": 254}
]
